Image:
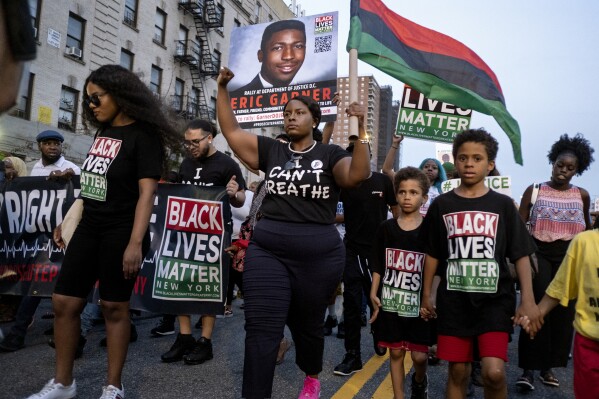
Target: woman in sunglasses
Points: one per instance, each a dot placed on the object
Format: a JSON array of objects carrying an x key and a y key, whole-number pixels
[
  {"x": 295, "y": 259},
  {"x": 118, "y": 181}
]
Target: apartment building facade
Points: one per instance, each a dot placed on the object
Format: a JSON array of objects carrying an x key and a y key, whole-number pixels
[{"x": 175, "y": 46}]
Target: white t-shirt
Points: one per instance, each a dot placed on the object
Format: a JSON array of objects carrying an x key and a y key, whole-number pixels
[
  {"x": 240, "y": 214},
  {"x": 62, "y": 164}
]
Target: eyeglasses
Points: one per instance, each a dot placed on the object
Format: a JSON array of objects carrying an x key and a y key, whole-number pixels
[
  {"x": 94, "y": 99},
  {"x": 193, "y": 143},
  {"x": 293, "y": 163}
]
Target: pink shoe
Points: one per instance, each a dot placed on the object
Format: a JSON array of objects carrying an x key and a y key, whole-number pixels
[{"x": 311, "y": 389}]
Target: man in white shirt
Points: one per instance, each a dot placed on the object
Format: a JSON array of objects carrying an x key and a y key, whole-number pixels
[{"x": 52, "y": 163}]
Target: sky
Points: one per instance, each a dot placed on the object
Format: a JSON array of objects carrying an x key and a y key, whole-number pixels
[{"x": 545, "y": 54}]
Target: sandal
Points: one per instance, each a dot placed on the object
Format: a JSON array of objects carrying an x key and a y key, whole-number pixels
[
  {"x": 526, "y": 381},
  {"x": 548, "y": 378},
  {"x": 228, "y": 311}
]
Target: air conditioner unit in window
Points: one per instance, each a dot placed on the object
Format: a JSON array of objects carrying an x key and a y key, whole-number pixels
[{"x": 74, "y": 51}]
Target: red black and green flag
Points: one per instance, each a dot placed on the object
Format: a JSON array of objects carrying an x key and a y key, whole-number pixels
[{"x": 434, "y": 64}]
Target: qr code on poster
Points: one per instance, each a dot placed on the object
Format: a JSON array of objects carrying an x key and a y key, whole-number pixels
[{"x": 322, "y": 44}]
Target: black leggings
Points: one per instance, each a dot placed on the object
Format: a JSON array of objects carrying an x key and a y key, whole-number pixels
[
  {"x": 291, "y": 270},
  {"x": 551, "y": 346}
]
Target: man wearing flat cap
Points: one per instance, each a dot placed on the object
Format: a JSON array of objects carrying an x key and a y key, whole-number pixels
[{"x": 52, "y": 163}]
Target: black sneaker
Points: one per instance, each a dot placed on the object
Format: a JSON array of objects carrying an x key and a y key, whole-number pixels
[
  {"x": 182, "y": 346},
  {"x": 329, "y": 324},
  {"x": 12, "y": 343},
  {"x": 351, "y": 363},
  {"x": 132, "y": 336},
  {"x": 201, "y": 352},
  {"x": 526, "y": 381},
  {"x": 341, "y": 330},
  {"x": 419, "y": 389},
  {"x": 166, "y": 326}
]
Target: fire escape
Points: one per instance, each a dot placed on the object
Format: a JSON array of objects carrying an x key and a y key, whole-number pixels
[{"x": 198, "y": 56}]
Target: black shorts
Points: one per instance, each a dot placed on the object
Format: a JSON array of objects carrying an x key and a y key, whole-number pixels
[{"x": 96, "y": 254}]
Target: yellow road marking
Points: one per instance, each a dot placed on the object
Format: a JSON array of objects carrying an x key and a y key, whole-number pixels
[
  {"x": 385, "y": 390},
  {"x": 357, "y": 381}
]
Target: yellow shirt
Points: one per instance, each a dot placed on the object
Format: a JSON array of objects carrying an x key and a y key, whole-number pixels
[{"x": 578, "y": 277}]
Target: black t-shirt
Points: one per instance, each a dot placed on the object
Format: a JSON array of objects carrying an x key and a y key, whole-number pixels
[
  {"x": 475, "y": 236},
  {"x": 118, "y": 158},
  {"x": 398, "y": 257},
  {"x": 365, "y": 208},
  {"x": 215, "y": 170},
  {"x": 306, "y": 194}
]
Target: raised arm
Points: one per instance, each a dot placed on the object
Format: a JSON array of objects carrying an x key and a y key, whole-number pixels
[
  {"x": 350, "y": 172},
  {"x": 392, "y": 156},
  {"x": 243, "y": 143}
]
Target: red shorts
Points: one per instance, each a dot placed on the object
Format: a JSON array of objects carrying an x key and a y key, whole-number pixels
[
  {"x": 404, "y": 345},
  {"x": 586, "y": 367},
  {"x": 461, "y": 349}
]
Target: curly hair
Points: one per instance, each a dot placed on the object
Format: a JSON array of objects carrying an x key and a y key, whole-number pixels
[
  {"x": 577, "y": 145},
  {"x": 441, "y": 177},
  {"x": 314, "y": 109},
  {"x": 411, "y": 173},
  {"x": 480, "y": 136},
  {"x": 135, "y": 100}
]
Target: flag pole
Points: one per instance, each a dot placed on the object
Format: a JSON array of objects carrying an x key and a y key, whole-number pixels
[{"x": 353, "y": 89}]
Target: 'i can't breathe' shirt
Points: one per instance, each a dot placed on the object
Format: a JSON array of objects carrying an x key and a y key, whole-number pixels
[
  {"x": 119, "y": 157},
  {"x": 475, "y": 236},
  {"x": 306, "y": 193}
]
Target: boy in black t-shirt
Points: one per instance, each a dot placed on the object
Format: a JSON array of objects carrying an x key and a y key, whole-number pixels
[{"x": 474, "y": 229}]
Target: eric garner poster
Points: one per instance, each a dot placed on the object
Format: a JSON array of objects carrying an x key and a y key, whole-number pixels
[
  {"x": 186, "y": 269},
  {"x": 277, "y": 61}
]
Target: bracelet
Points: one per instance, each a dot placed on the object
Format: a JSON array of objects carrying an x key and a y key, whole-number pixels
[{"x": 394, "y": 147}]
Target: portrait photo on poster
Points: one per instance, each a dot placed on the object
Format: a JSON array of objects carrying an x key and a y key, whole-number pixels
[{"x": 284, "y": 53}]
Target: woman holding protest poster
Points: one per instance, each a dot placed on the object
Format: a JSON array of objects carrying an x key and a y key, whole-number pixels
[
  {"x": 295, "y": 259},
  {"x": 118, "y": 183}
]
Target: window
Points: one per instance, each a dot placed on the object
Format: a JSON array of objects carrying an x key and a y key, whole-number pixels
[
  {"x": 216, "y": 60},
  {"x": 23, "y": 107},
  {"x": 159, "y": 26},
  {"x": 220, "y": 17},
  {"x": 67, "y": 111},
  {"x": 182, "y": 43},
  {"x": 257, "y": 12},
  {"x": 237, "y": 23},
  {"x": 155, "y": 80},
  {"x": 178, "y": 97},
  {"x": 130, "y": 17},
  {"x": 75, "y": 32},
  {"x": 34, "y": 8},
  {"x": 127, "y": 59},
  {"x": 212, "y": 109},
  {"x": 192, "y": 103}
]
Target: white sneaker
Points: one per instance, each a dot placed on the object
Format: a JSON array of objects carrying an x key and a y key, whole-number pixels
[
  {"x": 112, "y": 392},
  {"x": 54, "y": 390}
]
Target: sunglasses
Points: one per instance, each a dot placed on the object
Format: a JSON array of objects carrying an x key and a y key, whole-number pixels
[
  {"x": 94, "y": 99},
  {"x": 293, "y": 163},
  {"x": 193, "y": 143}
]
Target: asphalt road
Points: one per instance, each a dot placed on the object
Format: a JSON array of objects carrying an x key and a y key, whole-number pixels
[{"x": 145, "y": 376}]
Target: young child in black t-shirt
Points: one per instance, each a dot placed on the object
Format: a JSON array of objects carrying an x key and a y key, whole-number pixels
[
  {"x": 399, "y": 257},
  {"x": 474, "y": 229}
]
